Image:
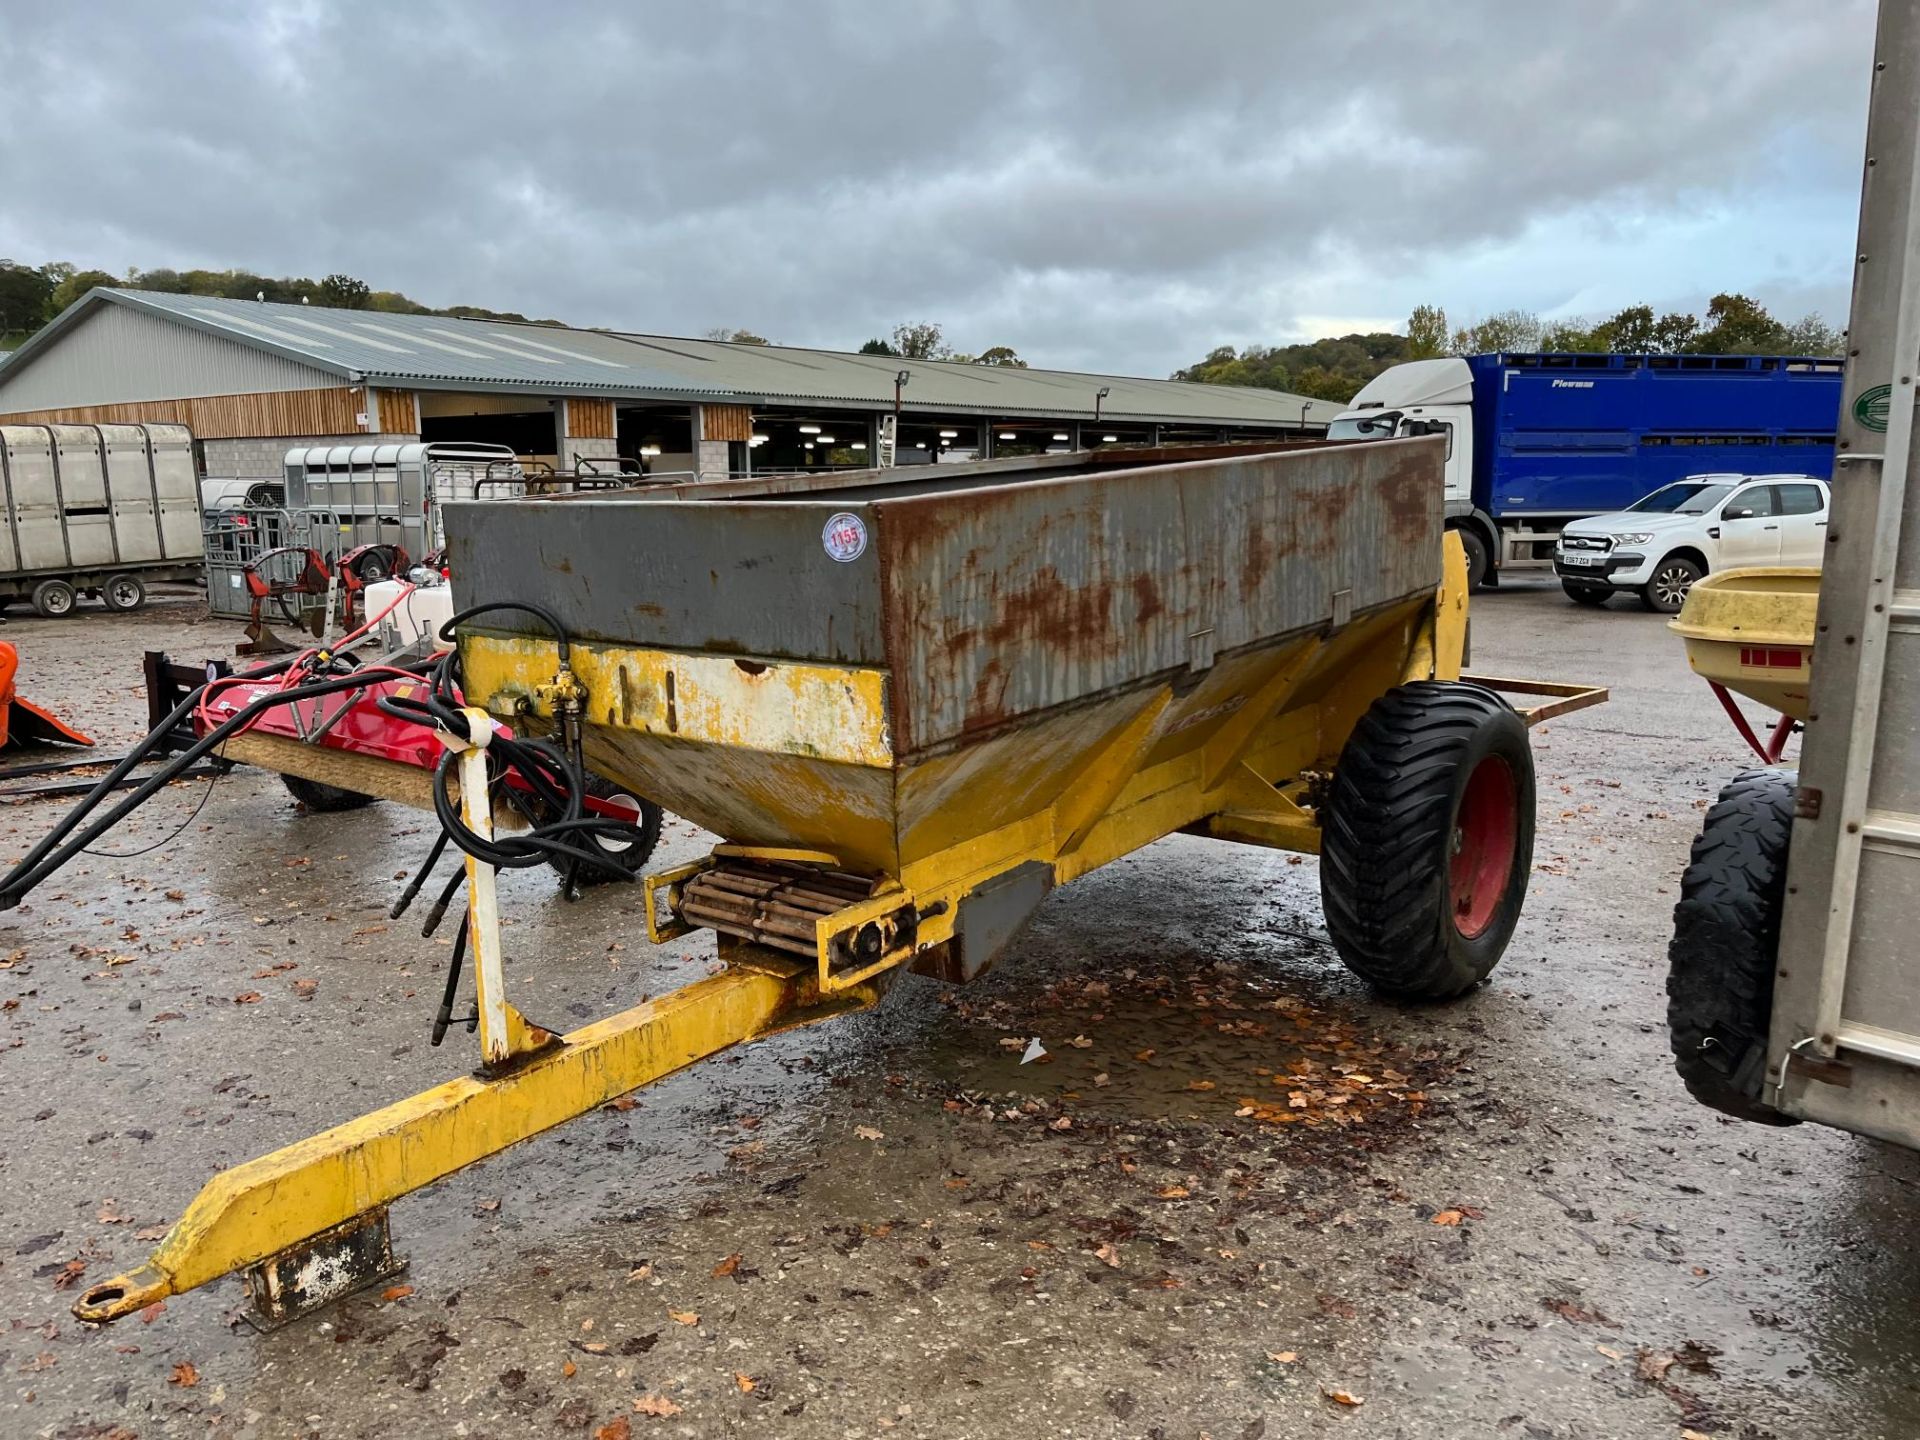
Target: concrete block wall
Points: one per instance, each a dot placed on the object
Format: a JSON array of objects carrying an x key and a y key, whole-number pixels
[
  {"x": 573, "y": 450},
  {"x": 265, "y": 458},
  {"x": 710, "y": 459}
]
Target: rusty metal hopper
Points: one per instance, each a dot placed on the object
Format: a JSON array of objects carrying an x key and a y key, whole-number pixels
[
  {"x": 961, "y": 670},
  {"x": 992, "y": 624}
]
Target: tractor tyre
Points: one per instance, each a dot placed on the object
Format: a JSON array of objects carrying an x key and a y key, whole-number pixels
[
  {"x": 325, "y": 799},
  {"x": 1726, "y": 937},
  {"x": 1426, "y": 839}
]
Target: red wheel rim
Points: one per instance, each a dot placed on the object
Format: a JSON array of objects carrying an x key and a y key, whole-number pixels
[{"x": 1486, "y": 830}]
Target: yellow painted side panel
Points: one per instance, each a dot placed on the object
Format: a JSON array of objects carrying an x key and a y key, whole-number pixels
[{"x": 829, "y": 712}]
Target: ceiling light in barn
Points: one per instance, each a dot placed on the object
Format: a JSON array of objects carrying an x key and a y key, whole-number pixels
[
  {"x": 647, "y": 452},
  {"x": 1008, "y": 435},
  {"x": 949, "y": 434},
  {"x": 1108, "y": 439},
  {"x": 826, "y": 439},
  {"x": 809, "y": 429},
  {"x": 1062, "y": 437}
]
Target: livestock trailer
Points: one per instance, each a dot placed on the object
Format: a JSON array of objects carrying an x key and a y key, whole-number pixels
[{"x": 96, "y": 510}]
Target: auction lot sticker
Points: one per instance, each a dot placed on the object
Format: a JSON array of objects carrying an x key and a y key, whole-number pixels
[{"x": 845, "y": 537}]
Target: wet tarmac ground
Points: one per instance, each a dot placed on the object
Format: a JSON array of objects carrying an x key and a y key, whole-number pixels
[{"x": 1238, "y": 1197}]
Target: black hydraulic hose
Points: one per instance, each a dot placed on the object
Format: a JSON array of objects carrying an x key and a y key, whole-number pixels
[
  {"x": 555, "y": 777},
  {"x": 443, "y": 1017},
  {"x": 112, "y": 779},
  {"x": 420, "y": 878},
  {"x": 439, "y": 908},
  {"x": 29, "y": 873}
]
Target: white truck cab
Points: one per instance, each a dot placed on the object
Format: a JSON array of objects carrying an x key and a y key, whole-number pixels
[
  {"x": 1426, "y": 397},
  {"x": 1658, "y": 546}
]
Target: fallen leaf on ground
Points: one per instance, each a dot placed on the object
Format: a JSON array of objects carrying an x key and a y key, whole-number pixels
[
  {"x": 1100, "y": 1079},
  {"x": 625, "y": 1102},
  {"x": 618, "y": 1428},
  {"x": 1654, "y": 1365},
  {"x": 396, "y": 1292},
  {"x": 1200, "y": 1085},
  {"x": 1174, "y": 1192},
  {"x": 1065, "y": 1122},
  {"x": 1448, "y": 1217},
  {"x": 1108, "y": 1254},
  {"x": 683, "y": 1317},
  {"x": 1579, "y": 1314},
  {"x": 867, "y": 1132},
  {"x": 745, "y": 1382},
  {"x": 1343, "y": 1397},
  {"x": 1081, "y": 1042},
  {"x": 656, "y": 1405},
  {"x": 247, "y": 997},
  {"x": 151, "y": 1313},
  {"x": 568, "y": 1369},
  {"x": 726, "y": 1267},
  {"x": 185, "y": 1375},
  {"x": 1610, "y": 1353},
  {"x": 1282, "y": 1357}
]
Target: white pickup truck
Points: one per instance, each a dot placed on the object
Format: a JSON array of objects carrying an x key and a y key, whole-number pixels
[{"x": 1658, "y": 546}]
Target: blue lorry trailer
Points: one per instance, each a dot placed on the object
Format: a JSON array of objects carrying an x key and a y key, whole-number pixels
[{"x": 1536, "y": 441}]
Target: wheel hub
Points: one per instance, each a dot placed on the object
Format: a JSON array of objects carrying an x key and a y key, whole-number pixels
[{"x": 1485, "y": 833}]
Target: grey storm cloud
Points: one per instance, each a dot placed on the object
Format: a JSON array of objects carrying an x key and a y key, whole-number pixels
[{"x": 1108, "y": 183}]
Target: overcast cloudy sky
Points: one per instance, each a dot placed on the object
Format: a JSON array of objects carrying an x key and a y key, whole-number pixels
[{"x": 1103, "y": 184}]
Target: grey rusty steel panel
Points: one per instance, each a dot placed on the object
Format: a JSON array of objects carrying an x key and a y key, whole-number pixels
[
  {"x": 743, "y": 578},
  {"x": 1028, "y": 590},
  {"x": 1010, "y": 600}
]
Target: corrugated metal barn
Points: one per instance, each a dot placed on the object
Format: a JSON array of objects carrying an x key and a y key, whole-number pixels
[{"x": 253, "y": 379}]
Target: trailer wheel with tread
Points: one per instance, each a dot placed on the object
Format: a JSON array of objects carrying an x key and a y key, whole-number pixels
[
  {"x": 1427, "y": 838},
  {"x": 123, "y": 592},
  {"x": 54, "y": 598},
  {"x": 325, "y": 799},
  {"x": 1726, "y": 938}
]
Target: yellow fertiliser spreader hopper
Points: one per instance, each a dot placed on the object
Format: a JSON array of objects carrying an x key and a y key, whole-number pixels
[
  {"x": 913, "y": 701},
  {"x": 1750, "y": 632}
]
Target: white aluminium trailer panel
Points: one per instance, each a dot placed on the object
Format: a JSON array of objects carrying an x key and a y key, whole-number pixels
[{"x": 97, "y": 498}]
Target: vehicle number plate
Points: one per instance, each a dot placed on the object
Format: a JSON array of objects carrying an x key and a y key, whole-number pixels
[{"x": 1581, "y": 559}]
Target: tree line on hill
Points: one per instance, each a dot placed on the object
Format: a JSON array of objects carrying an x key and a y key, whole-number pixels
[
  {"x": 1336, "y": 368},
  {"x": 32, "y": 295}
]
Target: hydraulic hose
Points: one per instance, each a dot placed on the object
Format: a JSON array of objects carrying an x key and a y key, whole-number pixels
[{"x": 48, "y": 856}]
